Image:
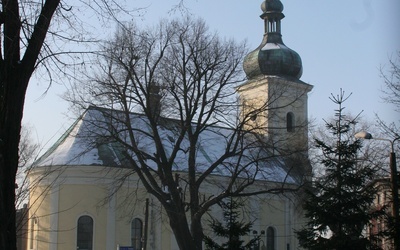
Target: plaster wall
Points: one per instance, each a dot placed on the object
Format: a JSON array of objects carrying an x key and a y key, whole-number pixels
[
  {"x": 86, "y": 191},
  {"x": 273, "y": 98}
]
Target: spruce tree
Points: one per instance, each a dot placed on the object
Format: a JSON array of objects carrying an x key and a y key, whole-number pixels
[
  {"x": 339, "y": 206},
  {"x": 232, "y": 229}
]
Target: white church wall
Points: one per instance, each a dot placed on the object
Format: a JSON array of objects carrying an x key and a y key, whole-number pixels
[{"x": 84, "y": 191}]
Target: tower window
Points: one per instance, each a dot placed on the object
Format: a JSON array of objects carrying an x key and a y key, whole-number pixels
[{"x": 290, "y": 122}]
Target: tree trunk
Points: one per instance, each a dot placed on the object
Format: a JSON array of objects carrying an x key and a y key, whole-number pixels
[
  {"x": 179, "y": 226},
  {"x": 197, "y": 232},
  {"x": 11, "y": 97},
  {"x": 14, "y": 78},
  {"x": 10, "y": 126}
]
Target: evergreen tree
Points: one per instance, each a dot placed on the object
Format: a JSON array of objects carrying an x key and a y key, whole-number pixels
[
  {"x": 339, "y": 207},
  {"x": 232, "y": 229}
]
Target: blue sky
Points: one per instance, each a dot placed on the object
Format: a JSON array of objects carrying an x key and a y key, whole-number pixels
[{"x": 342, "y": 44}]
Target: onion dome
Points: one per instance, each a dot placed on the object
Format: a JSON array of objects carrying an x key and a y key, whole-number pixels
[
  {"x": 272, "y": 5},
  {"x": 272, "y": 57}
]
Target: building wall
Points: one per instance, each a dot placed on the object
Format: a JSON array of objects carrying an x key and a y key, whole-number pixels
[
  {"x": 382, "y": 198},
  {"x": 75, "y": 201},
  {"x": 22, "y": 227},
  {"x": 276, "y": 97},
  {"x": 64, "y": 196}
]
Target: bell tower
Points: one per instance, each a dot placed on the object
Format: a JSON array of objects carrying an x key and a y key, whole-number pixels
[{"x": 274, "y": 99}]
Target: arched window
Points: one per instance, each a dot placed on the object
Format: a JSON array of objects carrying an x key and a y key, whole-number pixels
[
  {"x": 85, "y": 233},
  {"x": 136, "y": 234},
  {"x": 270, "y": 238},
  {"x": 290, "y": 122}
]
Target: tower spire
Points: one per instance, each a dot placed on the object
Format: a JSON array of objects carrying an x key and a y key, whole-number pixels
[
  {"x": 272, "y": 57},
  {"x": 272, "y": 16}
]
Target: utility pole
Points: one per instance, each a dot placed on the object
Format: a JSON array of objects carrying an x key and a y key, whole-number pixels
[{"x": 146, "y": 225}]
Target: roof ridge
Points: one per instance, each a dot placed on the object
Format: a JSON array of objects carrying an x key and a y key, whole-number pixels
[
  {"x": 60, "y": 140},
  {"x": 101, "y": 109}
]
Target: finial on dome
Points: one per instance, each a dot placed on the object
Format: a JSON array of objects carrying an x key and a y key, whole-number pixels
[{"x": 272, "y": 6}]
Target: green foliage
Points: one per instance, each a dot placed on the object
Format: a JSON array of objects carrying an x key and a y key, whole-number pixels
[
  {"x": 339, "y": 206},
  {"x": 232, "y": 229}
]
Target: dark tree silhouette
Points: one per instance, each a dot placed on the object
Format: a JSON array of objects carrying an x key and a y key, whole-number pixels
[
  {"x": 340, "y": 205},
  {"x": 24, "y": 48},
  {"x": 232, "y": 228},
  {"x": 15, "y": 72}
]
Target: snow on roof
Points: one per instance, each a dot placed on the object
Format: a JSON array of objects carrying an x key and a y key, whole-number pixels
[
  {"x": 70, "y": 149},
  {"x": 88, "y": 142}
]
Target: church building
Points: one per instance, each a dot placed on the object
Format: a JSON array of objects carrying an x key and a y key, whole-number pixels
[{"x": 84, "y": 196}]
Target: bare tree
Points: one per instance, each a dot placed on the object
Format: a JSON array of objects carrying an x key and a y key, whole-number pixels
[
  {"x": 28, "y": 151},
  {"x": 15, "y": 72},
  {"x": 180, "y": 79},
  {"x": 391, "y": 91},
  {"x": 391, "y": 79},
  {"x": 35, "y": 35}
]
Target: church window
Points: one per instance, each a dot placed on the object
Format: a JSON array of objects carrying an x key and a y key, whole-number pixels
[
  {"x": 85, "y": 233},
  {"x": 136, "y": 234},
  {"x": 290, "y": 122},
  {"x": 271, "y": 238}
]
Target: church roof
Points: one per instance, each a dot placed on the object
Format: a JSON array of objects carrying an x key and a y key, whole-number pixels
[{"x": 88, "y": 143}]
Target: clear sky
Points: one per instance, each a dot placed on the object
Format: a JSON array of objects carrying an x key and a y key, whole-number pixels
[{"x": 342, "y": 43}]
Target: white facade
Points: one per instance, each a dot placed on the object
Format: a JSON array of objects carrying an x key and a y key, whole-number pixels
[{"x": 69, "y": 193}]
